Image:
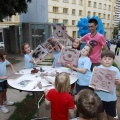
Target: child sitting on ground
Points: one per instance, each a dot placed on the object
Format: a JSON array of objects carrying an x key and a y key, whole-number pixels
[
  {"x": 89, "y": 104},
  {"x": 59, "y": 99},
  {"x": 109, "y": 99},
  {"x": 3, "y": 82}
]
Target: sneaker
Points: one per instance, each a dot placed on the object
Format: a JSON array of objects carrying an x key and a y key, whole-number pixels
[
  {"x": 8, "y": 103},
  {"x": 30, "y": 93},
  {"x": 3, "y": 109}
]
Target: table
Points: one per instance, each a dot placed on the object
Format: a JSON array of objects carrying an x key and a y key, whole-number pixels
[{"x": 29, "y": 82}]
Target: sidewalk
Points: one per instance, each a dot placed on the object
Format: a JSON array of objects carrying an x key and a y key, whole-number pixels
[{"x": 16, "y": 96}]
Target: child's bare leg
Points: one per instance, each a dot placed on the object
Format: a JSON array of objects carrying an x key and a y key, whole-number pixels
[
  {"x": 110, "y": 117},
  {"x": 1, "y": 98},
  {"x": 100, "y": 116},
  {"x": 4, "y": 95}
]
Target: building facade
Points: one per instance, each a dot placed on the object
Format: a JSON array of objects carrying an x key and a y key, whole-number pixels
[
  {"x": 70, "y": 11},
  {"x": 117, "y": 12}
]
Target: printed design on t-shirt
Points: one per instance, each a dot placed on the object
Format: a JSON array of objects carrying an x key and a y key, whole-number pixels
[
  {"x": 93, "y": 43},
  {"x": 82, "y": 63}
]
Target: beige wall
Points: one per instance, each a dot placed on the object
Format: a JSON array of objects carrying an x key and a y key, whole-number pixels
[{"x": 108, "y": 22}]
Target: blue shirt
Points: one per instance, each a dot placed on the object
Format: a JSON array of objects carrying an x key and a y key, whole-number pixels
[
  {"x": 3, "y": 68},
  {"x": 106, "y": 96},
  {"x": 84, "y": 79},
  {"x": 56, "y": 56},
  {"x": 28, "y": 64}
]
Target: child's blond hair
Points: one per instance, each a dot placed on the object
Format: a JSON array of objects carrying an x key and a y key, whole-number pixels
[{"x": 62, "y": 82}]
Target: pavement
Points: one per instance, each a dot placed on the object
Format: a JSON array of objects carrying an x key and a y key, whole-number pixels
[{"x": 16, "y": 96}]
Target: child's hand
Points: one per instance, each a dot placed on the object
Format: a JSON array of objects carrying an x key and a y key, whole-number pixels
[
  {"x": 39, "y": 61},
  {"x": 46, "y": 91},
  {"x": 117, "y": 82},
  {"x": 70, "y": 66}
]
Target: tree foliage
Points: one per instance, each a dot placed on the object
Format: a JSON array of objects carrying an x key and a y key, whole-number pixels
[
  {"x": 11, "y": 7},
  {"x": 115, "y": 32}
]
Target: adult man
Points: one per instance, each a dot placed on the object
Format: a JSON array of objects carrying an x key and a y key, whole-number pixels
[{"x": 96, "y": 40}]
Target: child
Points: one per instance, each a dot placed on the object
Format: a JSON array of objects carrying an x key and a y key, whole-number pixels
[
  {"x": 83, "y": 69},
  {"x": 60, "y": 101},
  {"x": 3, "y": 82},
  {"x": 88, "y": 105},
  {"x": 29, "y": 62},
  {"x": 109, "y": 99},
  {"x": 76, "y": 44},
  {"x": 56, "y": 53}
]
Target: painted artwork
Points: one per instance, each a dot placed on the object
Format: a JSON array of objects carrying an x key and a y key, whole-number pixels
[
  {"x": 24, "y": 83},
  {"x": 59, "y": 32},
  {"x": 38, "y": 53},
  {"x": 103, "y": 79},
  {"x": 69, "y": 56},
  {"x": 50, "y": 44}
]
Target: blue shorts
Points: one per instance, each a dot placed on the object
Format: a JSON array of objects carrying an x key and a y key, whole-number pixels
[
  {"x": 109, "y": 108},
  {"x": 3, "y": 85}
]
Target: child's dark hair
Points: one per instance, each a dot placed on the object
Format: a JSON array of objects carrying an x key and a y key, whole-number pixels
[
  {"x": 89, "y": 104},
  {"x": 23, "y": 47},
  {"x": 93, "y": 20},
  {"x": 108, "y": 53},
  {"x": 78, "y": 48},
  {"x": 4, "y": 52},
  {"x": 1, "y": 56}
]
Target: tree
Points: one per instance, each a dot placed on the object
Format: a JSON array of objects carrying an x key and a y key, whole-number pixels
[
  {"x": 115, "y": 32},
  {"x": 11, "y": 7}
]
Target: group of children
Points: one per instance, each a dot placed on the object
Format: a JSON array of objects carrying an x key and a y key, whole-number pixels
[
  {"x": 90, "y": 103},
  {"x": 84, "y": 75}
]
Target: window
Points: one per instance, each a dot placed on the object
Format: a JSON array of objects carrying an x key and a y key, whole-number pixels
[
  {"x": 55, "y": 20},
  {"x": 108, "y": 17},
  {"x": 94, "y": 13},
  {"x": 73, "y": 1},
  {"x": 104, "y": 16},
  {"x": 107, "y": 24},
  {"x": 99, "y": 15},
  {"x": 109, "y": 8},
  {"x": 104, "y": 24},
  {"x": 95, "y": 5},
  {"x": 55, "y": 9},
  {"x": 81, "y": 2},
  {"x": 88, "y": 13},
  {"x": 80, "y": 12},
  {"x": 89, "y": 3},
  {"x": 104, "y": 7},
  {"x": 65, "y": 10},
  {"x": 65, "y": 22},
  {"x": 8, "y": 19},
  {"x": 73, "y": 22},
  {"x": 100, "y": 5},
  {"x": 73, "y": 11},
  {"x": 65, "y": 0}
]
